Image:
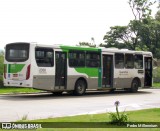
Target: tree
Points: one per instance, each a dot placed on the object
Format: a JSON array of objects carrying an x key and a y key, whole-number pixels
[
  {"x": 118, "y": 36},
  {"x": 86, "y": 44},
  {"x": 157, "y": 16},
  {"x": 142, "y": 14},
  {"x": 150, "y": 36},
  {"x": 141, "y": 8},
  {"x": 1, "y": 67},
  {"x": 140, "y": 34},
  {"x": 1, "y": 61}
]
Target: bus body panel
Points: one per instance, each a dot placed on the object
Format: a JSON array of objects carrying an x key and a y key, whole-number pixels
[
  {"x": 43, "y": 77},
  {"x": 124, "y": 77},
  {"x": 46, "y": 63},
  {"x": 89, "y": 74},
  {"x": 43, "y": 82}
]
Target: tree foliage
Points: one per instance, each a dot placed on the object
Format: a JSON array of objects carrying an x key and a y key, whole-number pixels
[
  {"x": 118, "y": 36},
  {"x": 1, "y": 61},
  {"x": 150, "y": 36},
  {"x": 142, "y": 33},
  {"x": 1, "y": 67},
  {"x": 87, "y": 44},
  {"x": 157, "y": 16},
  {"x": 141, "y": 8}
]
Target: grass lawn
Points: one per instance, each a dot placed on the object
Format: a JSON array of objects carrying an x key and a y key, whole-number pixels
[
  {"x": 147, "y": 115},
  {"x": 156, "y": 85},
  {"x": 15, "y": 90}
]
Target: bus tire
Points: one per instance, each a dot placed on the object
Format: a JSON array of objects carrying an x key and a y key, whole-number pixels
[
  {"x": 134, "y": 86},
  {"x": 80, "y": 88}
]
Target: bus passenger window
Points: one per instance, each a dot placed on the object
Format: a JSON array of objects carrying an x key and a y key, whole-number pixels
[
  {"x": 138, "y": 61},
  {"x": 119, "y": 60},
  {"x": 44, "y": 57},
  {"x": 92, "y": 59},
  {"x": 76, "y": 59},
  {"x": 129, "y": 61}
]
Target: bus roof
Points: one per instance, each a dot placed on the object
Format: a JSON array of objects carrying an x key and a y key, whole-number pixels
[
  {"x": 116, "y": 50},
  {"x": 87, "y": 48}
]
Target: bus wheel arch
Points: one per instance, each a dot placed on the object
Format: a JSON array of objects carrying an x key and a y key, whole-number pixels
[
  {"x": 80, "y": 86},
  {"x": 136, "y": 83}
]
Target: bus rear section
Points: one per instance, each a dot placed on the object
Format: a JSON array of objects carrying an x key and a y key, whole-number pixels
[{"x": 17, "y": 65}]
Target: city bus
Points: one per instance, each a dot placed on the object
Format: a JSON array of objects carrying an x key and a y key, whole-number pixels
[{"x": 62, "y": 68}]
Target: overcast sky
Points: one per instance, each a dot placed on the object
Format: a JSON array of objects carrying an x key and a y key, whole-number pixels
[{"x": 60, "y": 21}]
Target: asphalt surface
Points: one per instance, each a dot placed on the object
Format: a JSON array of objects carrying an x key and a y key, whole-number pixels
[{"x": 47, "y": 105}]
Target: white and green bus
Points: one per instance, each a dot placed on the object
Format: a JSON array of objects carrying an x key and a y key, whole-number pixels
[{"x": 60, "y": 68}]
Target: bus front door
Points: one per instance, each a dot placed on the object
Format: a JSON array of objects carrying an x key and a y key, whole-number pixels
[
  {"x": 107, "y": 80},
  {"x": 148, "y": 72},
  {"x": 61, "y": 69}
]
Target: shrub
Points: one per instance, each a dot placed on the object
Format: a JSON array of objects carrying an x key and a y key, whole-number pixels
[
  {"x": 24, "y": 117},
  {"x": 1, "y": 81},
  {"x": 118, "y": 118}
]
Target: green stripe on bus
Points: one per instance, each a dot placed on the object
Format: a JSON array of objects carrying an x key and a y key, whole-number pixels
[
  {"x": 65, "y": 48},
  {"x": 15, "y": 68},
  {"x": 8, "y": 68},
  {"x": 91, "y": 72}
]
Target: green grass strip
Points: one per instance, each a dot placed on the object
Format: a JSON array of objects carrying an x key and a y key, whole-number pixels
[
  {"x": 156, "y": 85},
  {"x": 146, "y": 115},
  {"x": 16, "y": 90}
]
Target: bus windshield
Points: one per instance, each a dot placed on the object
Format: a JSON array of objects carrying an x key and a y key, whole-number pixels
[{"x": 17, "y": 52}]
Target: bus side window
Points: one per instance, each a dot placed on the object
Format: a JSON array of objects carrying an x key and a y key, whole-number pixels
[
  {"x": 119, "y": 60},
  {"x": 129, "y": 61},
  {"x": 76, "y": 58},
  {"x": 44, "y": 57},
  {"x": 138, "y": 61},
  {"x": 92, "y": 59}
]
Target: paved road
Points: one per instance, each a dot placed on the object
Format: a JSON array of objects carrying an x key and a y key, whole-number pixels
[{"x": 45, "y": 105}]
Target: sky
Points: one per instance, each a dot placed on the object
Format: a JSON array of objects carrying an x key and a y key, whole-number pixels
[{"x": 65, "y": 22}]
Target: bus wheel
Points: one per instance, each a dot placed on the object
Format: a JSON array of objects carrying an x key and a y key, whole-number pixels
[
  {"x": 80, "y": 88},
  {"x": 134, "y": 86}
]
